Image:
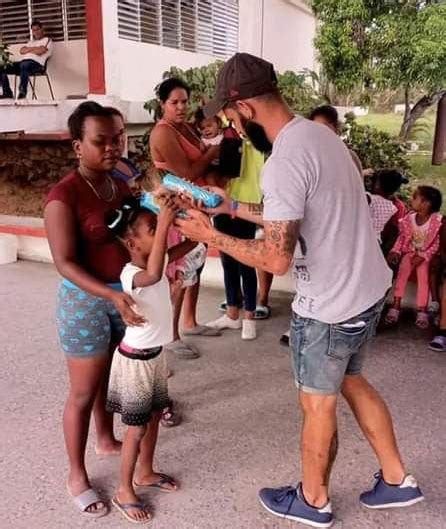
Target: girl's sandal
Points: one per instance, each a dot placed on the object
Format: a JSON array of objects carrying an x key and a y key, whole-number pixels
[
  {"x": 171, "y": 416},
  {"x": 392, "y": 317},
  {"x": 422, "y": 321},
  {"x": 165, "y": 483},
  {"x": 124, "y": 509}
]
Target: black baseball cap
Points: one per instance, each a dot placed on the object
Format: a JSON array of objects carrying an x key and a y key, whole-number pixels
[{"x": 241, "y": 77}]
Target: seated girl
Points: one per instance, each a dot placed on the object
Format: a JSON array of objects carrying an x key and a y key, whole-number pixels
[{"x": 415, "y": 247}]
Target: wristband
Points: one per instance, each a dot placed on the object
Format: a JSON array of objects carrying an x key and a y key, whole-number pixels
[{"x": 233, "y": 208}]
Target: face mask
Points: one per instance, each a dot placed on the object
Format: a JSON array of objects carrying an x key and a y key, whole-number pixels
[{"x": 257, "y": 136}]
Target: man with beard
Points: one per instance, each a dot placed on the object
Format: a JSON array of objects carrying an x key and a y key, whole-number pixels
[{"x": 316, "y": 217}]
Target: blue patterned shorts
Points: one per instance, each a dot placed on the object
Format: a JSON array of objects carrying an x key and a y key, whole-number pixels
[{"x": 87, "y": 325}]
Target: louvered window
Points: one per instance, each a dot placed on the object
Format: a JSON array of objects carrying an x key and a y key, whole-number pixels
[
  {"x": 62, "y": 19},
  {"x": 49, "y": 12},
  {"x": 202, "y": 26},
  {"x": 75, "y": 19}
]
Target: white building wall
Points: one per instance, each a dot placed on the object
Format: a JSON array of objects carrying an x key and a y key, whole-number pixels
[
  {"x": 142, "y": 66},
  {"x": 67, "y": 68},
  {"x": 281, "y": 31}
]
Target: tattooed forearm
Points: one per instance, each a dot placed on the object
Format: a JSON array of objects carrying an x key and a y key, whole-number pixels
[{"x": 272, "y": 254}]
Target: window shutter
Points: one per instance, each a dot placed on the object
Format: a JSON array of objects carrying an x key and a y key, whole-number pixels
[
  {"x": 128, "y": 20},
  {"x": 188, "y": 10},
  {"x": 75, "y": 17},
  {"x": 202, "y": 26},
  {"x": 62, "y": 19},
  {"x": 14, "y": 21},
  {"x": 225, "y": 18},
  {"x": 49, "y": 12},
  {"x": 170, "y": 23},
  {"x": 150, "y": 21}
]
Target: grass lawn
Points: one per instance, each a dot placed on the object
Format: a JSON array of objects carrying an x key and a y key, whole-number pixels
[
  {"x": 423, "y": 132},
  {"x": 422, "y": 169},
  {"x": 427, "y": 174}
]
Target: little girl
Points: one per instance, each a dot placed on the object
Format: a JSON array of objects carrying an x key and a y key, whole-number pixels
[
  {"x": 415, "y": 247},
  {"x": 138, "y": 379}
]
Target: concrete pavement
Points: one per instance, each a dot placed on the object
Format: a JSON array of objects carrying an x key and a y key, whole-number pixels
[{"x": 240, "y": 430}]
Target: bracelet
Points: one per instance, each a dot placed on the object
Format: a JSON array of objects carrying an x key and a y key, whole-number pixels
[{"x": 233, "y": 208}]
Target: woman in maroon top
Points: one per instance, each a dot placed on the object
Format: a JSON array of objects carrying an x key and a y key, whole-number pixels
[{"x": 92, "y": 309}]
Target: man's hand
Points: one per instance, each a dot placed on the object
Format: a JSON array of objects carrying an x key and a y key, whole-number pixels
[
  {"x": 125, "y": 305},
  {"x": 196, "y": 227},
  {"x": 187, "y": 202},
  {"x": 416, "y": 261},
  {"x": 393, "y": 258}
]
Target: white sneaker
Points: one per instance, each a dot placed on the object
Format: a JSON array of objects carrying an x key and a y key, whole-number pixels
[
  {"x": 249, "y": 330},
  {"x": 225, "y": 322}
]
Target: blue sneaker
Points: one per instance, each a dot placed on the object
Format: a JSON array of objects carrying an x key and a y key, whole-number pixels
[
  {"x": 385, "y": 496},
  {"x": 288, "y": 502}
]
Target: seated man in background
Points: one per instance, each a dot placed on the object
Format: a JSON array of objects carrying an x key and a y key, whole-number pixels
[{"x": 34, "y": 56}]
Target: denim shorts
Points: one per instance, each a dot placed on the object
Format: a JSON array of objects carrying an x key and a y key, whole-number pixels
[
  {"x": 324, "y": 353},
  {"x": 87, "y": 325}
]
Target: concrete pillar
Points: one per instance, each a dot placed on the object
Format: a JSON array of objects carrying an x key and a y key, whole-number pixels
[
  {"x": 111, "y": 48},
  {"x": 103, "y": 49},
  {"x": 251, "y": 16},
  {"x": 95, "y": 47}
]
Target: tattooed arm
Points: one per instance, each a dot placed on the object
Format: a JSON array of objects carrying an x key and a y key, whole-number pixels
[{"x": 272, "y": 254}]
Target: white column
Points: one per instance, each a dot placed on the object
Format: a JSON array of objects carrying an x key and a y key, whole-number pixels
[
  {"x": 111, "y": 48},
  {"x": 251, "y": 14}
]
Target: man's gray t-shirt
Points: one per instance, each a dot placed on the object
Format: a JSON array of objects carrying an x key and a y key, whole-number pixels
[{"x": 339, "y": 267}]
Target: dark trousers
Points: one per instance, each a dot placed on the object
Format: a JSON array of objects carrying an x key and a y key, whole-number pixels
[
  {"x": 24, "y": 69},
  {"x": 233, "y": 270}
]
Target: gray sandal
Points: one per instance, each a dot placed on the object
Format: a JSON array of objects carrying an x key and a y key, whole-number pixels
[
  {"x": 201, "y": 330},
  {"x": 86, "y": 499},
  {"x": 438, "y": 344},
  {"x": 183, "y": 350}
]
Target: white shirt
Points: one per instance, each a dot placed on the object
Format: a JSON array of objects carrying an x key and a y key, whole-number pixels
[
  {"x": 216, "y": 140},
  {"x": 419, "y": 234},
  {"x": 310, "y": 176},
  {"x": 153, "y": 303},
  {"x": 41, "y": 59},
  {"x": 381, "y": 211}
]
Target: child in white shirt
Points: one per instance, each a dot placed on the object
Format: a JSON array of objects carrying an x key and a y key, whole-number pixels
[{"x": 138, "y": 379}]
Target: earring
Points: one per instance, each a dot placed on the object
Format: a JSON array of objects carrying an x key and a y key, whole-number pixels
[{"x": 79, "y": 156}]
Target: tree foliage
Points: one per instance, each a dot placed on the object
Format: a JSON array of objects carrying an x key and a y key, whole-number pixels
[
  {"x": 386, "y": 44},
  {"x": 5, "y": 55},
  {"x": 375, "y": 148},
  {"x": 298, "y": 89}
]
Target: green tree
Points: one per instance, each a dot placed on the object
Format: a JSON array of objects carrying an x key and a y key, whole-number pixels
[
  {"x": 5, "y": 55},
  {"x": 386, "y": 44}
]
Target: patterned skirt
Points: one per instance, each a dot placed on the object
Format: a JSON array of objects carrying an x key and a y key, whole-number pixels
[{"x": 137, "y": 387}]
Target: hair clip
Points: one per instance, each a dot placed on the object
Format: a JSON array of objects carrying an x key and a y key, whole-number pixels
[{"x": 117, "y": 220}]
